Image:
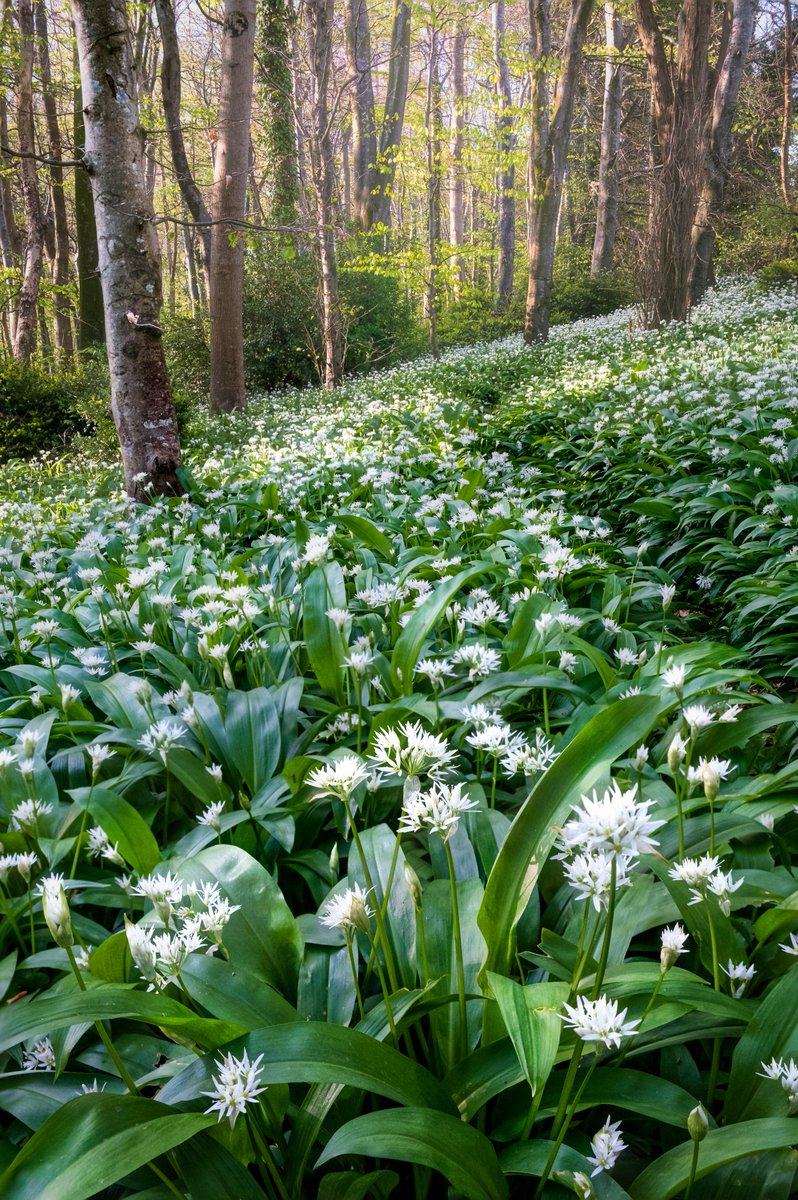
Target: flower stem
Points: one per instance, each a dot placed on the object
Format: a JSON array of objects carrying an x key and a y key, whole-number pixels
[
  {"x": 693, "y": 1169},
  {"x": 124, "y": 1074},
  {"x": 381, "y": 929},
  {"x": 605, "y": 948},
  {"x": 348, "y": 937},
  {"x": 458, "y": 953}
]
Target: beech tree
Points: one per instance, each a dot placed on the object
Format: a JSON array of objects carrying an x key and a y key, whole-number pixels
[
  {"x": 129, "y": 254},
  {"x": 228, "y": 206},
  {"x": 505, "y": 182},
  {"x": 25, "y": 334},
  {"x": 550, "y": 135},
  {"x": 612, "y": 112}
]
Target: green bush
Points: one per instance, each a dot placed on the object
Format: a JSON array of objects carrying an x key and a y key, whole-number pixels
[
  {"x": 585, "y": 295},
  {"x": 38, "y": 412},
  {"x": 281, "y": 329},
  {"x": 778, "y": 274},
  {"x": 381, "y": 327},
  {"x": 473, "y": 318}
]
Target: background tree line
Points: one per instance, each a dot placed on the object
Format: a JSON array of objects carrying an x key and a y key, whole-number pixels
[{"x": 272, "y": 191}]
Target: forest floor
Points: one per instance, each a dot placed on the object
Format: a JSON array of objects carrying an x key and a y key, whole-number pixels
[{"x": 386, "y": 642}]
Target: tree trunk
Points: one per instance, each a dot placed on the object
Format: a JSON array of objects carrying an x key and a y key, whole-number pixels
[
  {"x": 231, "y": 168},
  {"x": 607, "y": 200},
  {"x": 719, "y": 147},
  {"x": 130, "y": 266},
  {"x": 506, "y": 169},
  {"x": 191, "y": 271},
  {"x": 787, "y": 106},
  {"x": 548, "y": 150},
  {"x": 275, "y": 21},
  {"x": 318, "y": 28},
  {"x": 9, "y": 234},
  {"x": 64, "y": 343},
  {"x": 433, "y": 127},
  {"x": 394, "y": 115},
  {"x": 91, "y": 316},
  {"x": 456, "y": 181},
  {"x": 364, "y": 130},
  {"x": 678, "y": 101},
  {"x": 171, "y": 94},
  {"x": 33, "y": 262}
]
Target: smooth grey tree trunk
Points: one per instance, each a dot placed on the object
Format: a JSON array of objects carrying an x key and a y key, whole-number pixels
[
  {"x": 432, "y": 116},
  {"x": 548, "y": 150},
  {"x": 456, "y": 180},
  {"x": 719, "y": 146},
  {"x": 364, "y": 131},
  {"x": 318, "y": 29},
  {"x": 394, "y": 115},
  {"x": 64, "y": 341},
  {"x": 228, "y": 207},
  {"x": 33, "y": 259},
  {"x": 130, "y": 265},
  {"x": 91, "y": 316},
  {"x": 171, "y": 94},
  {"x": 607, "y": 199},
  {"x": 506, "y": 165}
]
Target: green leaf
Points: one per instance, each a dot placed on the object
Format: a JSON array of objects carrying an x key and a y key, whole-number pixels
[
  {"x": 531, "y": 1016},
  {"x": 412, "y": 638},
  {"x": 211, "y": 1172},
  {"x": 772, "y": 1033},
  {"x": 580, "y": 766},
  {"x": 252, "y": 725},
  {"x": 668, "y": 1175},
  {"x": 105, "y": 1002},
  {"x": 367, "y": 532},
  {"x": 530, "y": 1158},
  {"x": 324, "y": 589},
  {"x": 232, "y": 994},
  {"x": 430, "y": 1139},
  {"x": 7, "y": 969},
  {"x": 93, "y": 1142},
  {"x": 348, "y": 1185},
  {"x": 123, "y": 824},
  {"x": 262, "y": 937},
  {"x": 313, "y": 1052}
]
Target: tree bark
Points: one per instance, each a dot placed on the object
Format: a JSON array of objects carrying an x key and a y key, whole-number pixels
[
  {"x": 433, "y": 126},
  {"x": 456, "y": 180},
  {"x": 130, "y": 267},
  {"x": 228, "y": 206},
  {"x": 64, "y": 342},
  {"x": 506, "y": 167},
  {"x": 548, "y": 149},
  {"x": 394, "y": 115},
  {"x": 719, "y": 145},
  {"x": 91, "y": 316},
  {"x": 275, "y": 21},
  {"x": 33, "y": 262},
  {"x": 364, "y": 130},
  {"x": 787, "y": 106},
  {"x": 318, "y": 29},
  {"x": 607, "y": 199},
  {"x": 171, "y": 94},
  {"x": 678, "y": 104}
]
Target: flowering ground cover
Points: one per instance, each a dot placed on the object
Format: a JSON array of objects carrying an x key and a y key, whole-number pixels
[{"x": 410, "y": 809}]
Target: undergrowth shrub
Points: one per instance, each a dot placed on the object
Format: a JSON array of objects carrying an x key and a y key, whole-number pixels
[{"x": 38, "y": 412}]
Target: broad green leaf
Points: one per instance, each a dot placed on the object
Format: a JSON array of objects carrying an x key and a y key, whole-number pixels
[
  {"x": 580, "y": 766},
  {"x": 428, "y": 1138},
  {"x": 412, "y": 638},
  {"x": 45, "y": 1014},
  {"x": 232, "y": 994},
  {"x": 348, "y": 1185},
  {"x": 262, "y": 937},
  {"x": 531, "y": 1017},
  {"x": 324, "y": 589},
  {"x": 92, "y": 1142},
  {"x": 312, "y": 1052},
  {"x": 531, "y": 1158},
  {"x": 123, "y": 824},
  {"x": 772, "y": 1033},
  {"x": 252, "y": 725},
  {"x": 212, "y": 1173},
  {"x": 668, "y": 1174},
  {"x": 366, "y": 531},
  {"x": 442, "y": 964}
]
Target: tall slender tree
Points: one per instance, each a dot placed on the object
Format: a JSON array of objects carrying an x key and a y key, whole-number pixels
[
  {"x": 273, "y": 62},
  {"x": 550, "y": 136},
  {"x": 718, "y": 150},
  {"x": 678, "y": 106},
  {"x": 318, "y": 18},
  {"x": 129, "y": 254},
  {"x": 90, "y": 315},
  {"x": 456, "y": 146},
  {"x": 612, "y": 112},
  {"x": 228, "y": 206},
  {"x": 505, "y": 175},
  {"x": 33, "y": 262},
  {"x": 364, "y": 131}
]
